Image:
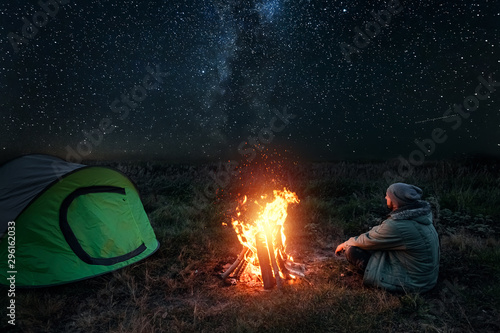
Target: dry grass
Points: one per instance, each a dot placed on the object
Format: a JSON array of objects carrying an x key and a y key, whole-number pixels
[{"x": 178, "y": 289}]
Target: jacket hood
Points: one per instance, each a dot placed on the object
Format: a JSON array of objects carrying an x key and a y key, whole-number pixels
[{"x": 419, "y": 212}]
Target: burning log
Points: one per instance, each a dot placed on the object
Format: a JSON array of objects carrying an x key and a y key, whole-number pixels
[
  {"x": 264, "y": 262},
  {"x": 237, "y": 263},
  {"x": 263, "y": 241},
  {"x": 240, "y": 269},
  {"x": 270, "y": 249},
  {"x": 282, "y": 264},
  {"x": 295, "y": 269}
]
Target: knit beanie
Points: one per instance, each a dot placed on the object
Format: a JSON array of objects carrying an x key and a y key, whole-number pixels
[{"x": 402, "y": 194}]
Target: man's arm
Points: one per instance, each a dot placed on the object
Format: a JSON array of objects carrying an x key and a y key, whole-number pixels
[{"x": 385, "y": 236}]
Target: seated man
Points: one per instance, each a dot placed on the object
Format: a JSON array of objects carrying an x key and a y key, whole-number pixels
[{"x": 402, "y": 253}]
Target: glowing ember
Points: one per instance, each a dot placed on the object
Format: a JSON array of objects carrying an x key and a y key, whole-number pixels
[{"x": 265, "y": 239}]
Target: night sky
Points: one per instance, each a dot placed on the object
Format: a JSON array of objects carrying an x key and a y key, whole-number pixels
[{"x": 193, "y": 80}]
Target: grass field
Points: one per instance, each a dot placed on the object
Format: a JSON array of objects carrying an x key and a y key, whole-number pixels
[{"x": 178, "y": 290}]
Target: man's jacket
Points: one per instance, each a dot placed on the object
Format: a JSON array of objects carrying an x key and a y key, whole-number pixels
[{"x": 405, "y": 250}]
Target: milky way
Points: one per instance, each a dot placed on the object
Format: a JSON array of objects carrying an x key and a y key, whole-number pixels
[{"x": 193, "y": 80}]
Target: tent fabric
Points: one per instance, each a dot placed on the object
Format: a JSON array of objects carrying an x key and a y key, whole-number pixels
[
  {"x": 86, "y": 222},
  {"x": 23, "y": 178}
]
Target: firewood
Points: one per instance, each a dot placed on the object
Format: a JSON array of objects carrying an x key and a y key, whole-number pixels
[
  {"x": 264, "y": 261},
  {"x": 270, "y": 248},
  {"x": 235, "y": 264},
  {"x": 295, "y": 268},
  {"x": 281, "y": 263},
  {"x": 241, "y": 268}
]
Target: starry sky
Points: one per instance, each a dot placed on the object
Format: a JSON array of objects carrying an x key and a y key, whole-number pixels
[{"x": 210, "y": 79}]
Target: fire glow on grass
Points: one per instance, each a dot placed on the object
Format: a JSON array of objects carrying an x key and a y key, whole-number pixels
[{"x": 265, "y": 239}]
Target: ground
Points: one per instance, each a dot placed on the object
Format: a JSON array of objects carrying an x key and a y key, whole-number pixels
[{"x": 178, "y": 288}]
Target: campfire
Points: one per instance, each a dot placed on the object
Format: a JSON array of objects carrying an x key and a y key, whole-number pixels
[{"x": 264, "y": 255}]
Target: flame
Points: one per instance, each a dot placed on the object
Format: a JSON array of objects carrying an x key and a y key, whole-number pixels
[{"x": 270, "y": 221}]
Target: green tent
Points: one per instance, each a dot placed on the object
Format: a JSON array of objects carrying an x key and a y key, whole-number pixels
[{"x": 71, "y": 221}]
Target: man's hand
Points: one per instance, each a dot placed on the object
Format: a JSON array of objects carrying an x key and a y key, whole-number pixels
[{"x": 340, "y": 249}]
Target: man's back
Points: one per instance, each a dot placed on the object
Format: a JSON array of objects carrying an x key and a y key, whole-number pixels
[{"x": 414, "y": 264}]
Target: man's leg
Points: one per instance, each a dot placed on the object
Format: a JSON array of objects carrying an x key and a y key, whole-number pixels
[{"x": 357, "y": 257}]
